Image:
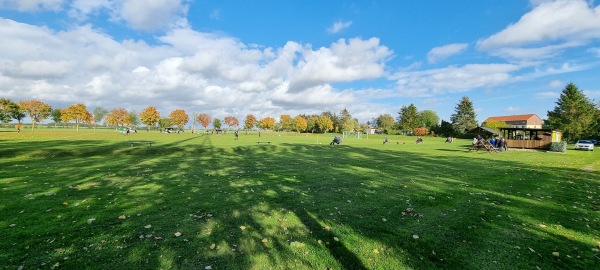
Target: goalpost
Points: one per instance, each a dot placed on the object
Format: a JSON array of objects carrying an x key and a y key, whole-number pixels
[{"x": 351, "y": 134}]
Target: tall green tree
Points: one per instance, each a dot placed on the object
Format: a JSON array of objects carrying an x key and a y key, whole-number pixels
[
  {"x": 408, "y": 117},
  {"x": 135, "y": 120},
  {"x": 445, "y": 129},
  {"x": 429, "y": 119},
  {"x": 99, "y": 114},
  {"x": 217, "y": 123},
  {"x": 464, "y": 117},
  {"x": 346, "y": 123},
  {"x": 574, "y": 114},
  {"x": 56, "y": 116},
  {"x": 8, "y": 111},
  {"x": 597, "y": 129},
  {"x": 164, "y": 123},
  {"x": 385, "y": 121}
]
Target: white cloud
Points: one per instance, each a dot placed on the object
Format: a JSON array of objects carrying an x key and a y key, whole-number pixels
[
  {"x": 31, "y": 5},
  {"x": 595, "y": 51},
  {"x": 440, "y": 53},
  {"x": 451, "y": 79},
  {"x": 546, "y": 95},
  {"x": 147, "y": 15},
  {"x": 542, "y": 52},
  {"x": 353, "y": 60},
  {"x": 153, "y": 14},
  {"x": 39, "y": 69},
  {"x": 189, "y": 70},
  {"x": 339, "y": 26},
  {"x": 80, "y": 9},
  {"x": 556, "y": 84},
  {"x": 592, "y": 94},
  {"x": 566, "y": 23}
]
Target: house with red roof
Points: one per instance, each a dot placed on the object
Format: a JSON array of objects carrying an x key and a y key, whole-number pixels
[{"x": 517, "y": 121}]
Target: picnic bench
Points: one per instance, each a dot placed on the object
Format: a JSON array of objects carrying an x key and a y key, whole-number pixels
[
  {"x": 258, "y": 143},
  {"x": 140, "y": 142},
  {"x": 483, "y": 144}
]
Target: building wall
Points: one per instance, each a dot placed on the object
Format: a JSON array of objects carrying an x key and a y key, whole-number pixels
[{"x": 532, "y": 122}]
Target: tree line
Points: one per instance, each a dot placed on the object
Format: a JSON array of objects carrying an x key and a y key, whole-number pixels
[
  {"x": 575, "y": 114},
  {"x": 79, "y": 114}
]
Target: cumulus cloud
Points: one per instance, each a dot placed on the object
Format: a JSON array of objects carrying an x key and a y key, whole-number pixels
[
  {"x": 153, "y": 14},
  {"x": 451, "y": 79},
  {"x": 344, "y": 61},
  {"x": 31, "y": 5},
  {"x": 440, "y": 53},
  {"x": 567, "y": 23},
  {"x": 146, "y": 15},
  {"x": 39, "y": 69},
  {"x": 592, "y": 94},
  {"x": 81, "y": 9},
  {"x": 339, "y": 26},
  {"x": 188, "y": 69}
]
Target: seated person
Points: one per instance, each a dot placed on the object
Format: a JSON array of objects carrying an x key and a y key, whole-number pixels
[
  {"x": 419, "y": 140},
  {"x": 337, "y": 140},
  {"x": 385, "y": 140}
]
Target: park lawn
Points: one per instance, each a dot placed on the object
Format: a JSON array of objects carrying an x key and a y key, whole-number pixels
[{"x": 89, "y": 200}]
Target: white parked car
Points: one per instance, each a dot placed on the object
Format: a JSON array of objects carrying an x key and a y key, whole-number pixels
[{"x": 584, "y": 145}]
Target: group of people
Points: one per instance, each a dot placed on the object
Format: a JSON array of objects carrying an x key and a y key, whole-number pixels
[{"x": 497, "y": 142}]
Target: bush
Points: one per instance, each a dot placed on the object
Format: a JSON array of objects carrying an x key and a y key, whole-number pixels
[
  {"x": 421, "y": 131},
  {"x": 558, "y": 147}
]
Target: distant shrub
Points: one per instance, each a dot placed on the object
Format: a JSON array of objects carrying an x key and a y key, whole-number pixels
[
  {"x": 558, "y": 147},
  {"x": 420, "y": 131}
]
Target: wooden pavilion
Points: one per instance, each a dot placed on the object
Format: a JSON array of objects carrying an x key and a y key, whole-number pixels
[{"x": 530, "y": 138}]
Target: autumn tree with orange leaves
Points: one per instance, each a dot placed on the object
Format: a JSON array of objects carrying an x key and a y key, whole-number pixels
[
  {"x": 118, "y": 116},
  {"x": 149, "y": 116},
  {"x": 249, "y": 122},
  {"x": 37, "y": 110},
  {"x": 285, "y": 120},
  {"x": 78, "y": 113},
  {"x": 267, "y": 123},
  {"x": 179, "y": 118},
  {"x": 299, "y": 123},
  {"x": 204, "y": 119},
  {"x": 231, "y": 121}
]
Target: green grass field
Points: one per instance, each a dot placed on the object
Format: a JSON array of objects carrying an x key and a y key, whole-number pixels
[{"x": 89, "y": 200}]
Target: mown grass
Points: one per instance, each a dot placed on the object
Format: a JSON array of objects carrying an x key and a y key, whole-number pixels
[{"x": 88, "y": 200}]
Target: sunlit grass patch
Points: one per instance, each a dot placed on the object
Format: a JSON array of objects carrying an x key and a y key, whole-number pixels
[{"x": 192, "y": 201}]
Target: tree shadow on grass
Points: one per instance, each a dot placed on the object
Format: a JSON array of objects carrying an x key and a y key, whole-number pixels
[{"x": 468, "y": 212}]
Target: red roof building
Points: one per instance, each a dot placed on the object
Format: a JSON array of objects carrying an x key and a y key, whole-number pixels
[{"x": 518, "y": 121}]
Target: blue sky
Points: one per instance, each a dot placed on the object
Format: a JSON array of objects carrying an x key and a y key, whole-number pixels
[{"x": 267, "y": 58}]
